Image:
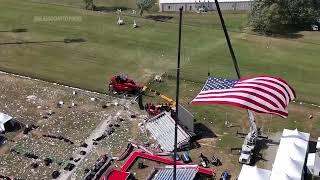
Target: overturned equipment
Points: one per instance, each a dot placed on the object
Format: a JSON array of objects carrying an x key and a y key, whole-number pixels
[{"x": 122, "y": 84}]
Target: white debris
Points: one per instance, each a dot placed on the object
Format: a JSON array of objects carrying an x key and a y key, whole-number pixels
[
  {"x": 31, "y": 97},
  {"x": 50, "y": 112},
  {"x": 157, "y": 78},
  {"x": 92, "y": 99}
]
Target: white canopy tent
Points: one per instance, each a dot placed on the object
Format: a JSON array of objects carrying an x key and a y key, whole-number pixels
[
  {"x": 313, "y": 162},
  {"x": 252, "y": 172},
  {"x": 3, "y": 119},
  {"x": 291, "y": 155}
]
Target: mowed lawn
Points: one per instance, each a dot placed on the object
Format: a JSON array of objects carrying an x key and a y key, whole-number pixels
[{"x": 148, "y": 50}]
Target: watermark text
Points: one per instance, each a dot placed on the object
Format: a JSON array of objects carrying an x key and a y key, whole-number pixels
[{"x": 57, "y": 18}]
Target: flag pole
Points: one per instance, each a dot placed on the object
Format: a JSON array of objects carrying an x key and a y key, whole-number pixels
[
  {"x": 177, "y": 100},
  {"x": 235, "y": 63}
]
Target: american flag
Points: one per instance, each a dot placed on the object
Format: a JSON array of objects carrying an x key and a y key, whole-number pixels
[{"x": 263, "y": 94}]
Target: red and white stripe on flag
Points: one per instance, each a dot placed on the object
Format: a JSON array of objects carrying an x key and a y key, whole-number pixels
[{"x": 263, "y": 94}]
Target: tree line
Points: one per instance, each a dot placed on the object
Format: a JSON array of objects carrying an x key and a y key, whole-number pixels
[
  {"x": 280, "y": 16},
  {"x": 266, "y": 16}
]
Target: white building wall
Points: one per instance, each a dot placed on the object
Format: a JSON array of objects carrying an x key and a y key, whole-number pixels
[{"x": 172, "y": 7}]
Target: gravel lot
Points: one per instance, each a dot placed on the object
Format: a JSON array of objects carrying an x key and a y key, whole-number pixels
[{"x": 77, "y": 120}]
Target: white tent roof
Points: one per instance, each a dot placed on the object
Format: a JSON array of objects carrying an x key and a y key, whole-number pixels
[
  {"x": 318, "y": 143},
  {"x": 3, "y": 119},
  {"x": 311, "y": 161},
  {"x": 283, "y": 176},
  {"x": 193, "y": 1},
  {"x": 291, "y": 155},
  {"x": 250, "y": 172}
]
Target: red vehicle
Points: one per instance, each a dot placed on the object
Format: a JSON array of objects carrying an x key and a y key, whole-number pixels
[
  {"x": 152, "y": 109},
  {"x": 121, "y": 84}
]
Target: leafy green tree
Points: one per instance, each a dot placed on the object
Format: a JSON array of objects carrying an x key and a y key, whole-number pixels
[
  {"x": 144, "y": 5},
  {"x": 276, "y": 16},
  {"x": 89, "y": 5}
]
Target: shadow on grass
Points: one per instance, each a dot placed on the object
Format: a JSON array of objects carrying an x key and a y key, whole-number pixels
[
  {"x": 110, "y": 9},
  {"x": 288, "y": 32},
  {"x": 67, "y": 40},
  {"x": 160, "y": 18},
  {"x": 18, "y": 30},
  {"x": 202, "y": 131},
  {"x": 288, "y": 35}
]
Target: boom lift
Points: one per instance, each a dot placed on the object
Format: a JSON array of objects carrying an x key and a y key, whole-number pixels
[{"x": 250, "y": 140}]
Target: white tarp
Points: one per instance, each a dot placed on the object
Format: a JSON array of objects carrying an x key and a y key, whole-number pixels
[
  {"x": 291, "y": 155},
  {"x": 3, "y": 119},
  {"x": 254, "y": 173}
]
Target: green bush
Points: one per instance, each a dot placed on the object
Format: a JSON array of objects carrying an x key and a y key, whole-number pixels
[{"x": 280, "y": 16}]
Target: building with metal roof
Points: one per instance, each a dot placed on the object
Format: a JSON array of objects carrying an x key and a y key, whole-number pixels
[
  {"x": 166, "y": 173},
  {"x": 203, "y": 5},
  {"x": 161, "y": 128}
]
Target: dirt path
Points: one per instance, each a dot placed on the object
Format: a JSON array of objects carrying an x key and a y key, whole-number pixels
[
  {"x": 100, "y": 129},
  {"x": 96, "y": 133}
]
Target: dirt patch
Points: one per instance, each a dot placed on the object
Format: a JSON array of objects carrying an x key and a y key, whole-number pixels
[{"x": 269, "y": 154}]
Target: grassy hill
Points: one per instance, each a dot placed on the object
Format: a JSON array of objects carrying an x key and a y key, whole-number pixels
[{"x": 149, "y": 49}]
